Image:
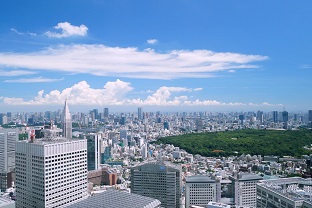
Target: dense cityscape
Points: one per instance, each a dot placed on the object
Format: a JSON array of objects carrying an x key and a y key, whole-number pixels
[
  {"x": 64, "y": 159},
  {"x": 155, "y": 104}
]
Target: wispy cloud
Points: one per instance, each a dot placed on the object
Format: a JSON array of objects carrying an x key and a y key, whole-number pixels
[
  {"x": 152, "y": 41},
  {"x": 16, "y": 31},
  {"x": 67, "y": 30},
  {"x": 306, "y": 66},
  {"x": 32, "y": 80},
  {"x": 101, "y": 60},
  {"x": 22, "y": 33},
  {"x": 115, "y": 93},
  {"x": 13, "y": 73}
]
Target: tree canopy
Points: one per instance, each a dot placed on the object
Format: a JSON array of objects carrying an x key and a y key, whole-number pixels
[{"x": 254, "y": 142}]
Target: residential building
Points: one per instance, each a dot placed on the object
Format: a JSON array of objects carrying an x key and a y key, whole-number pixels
[
  {"x": 50, "y": 172},
  {"x": 201, "y": 189},
  {"x": 158, "y": 180}
]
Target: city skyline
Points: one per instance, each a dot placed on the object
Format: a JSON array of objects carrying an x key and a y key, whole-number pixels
[{"x": 174, "y": 56}]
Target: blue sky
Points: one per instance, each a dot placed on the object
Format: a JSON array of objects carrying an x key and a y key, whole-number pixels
[{"x": 160, "y": 55}]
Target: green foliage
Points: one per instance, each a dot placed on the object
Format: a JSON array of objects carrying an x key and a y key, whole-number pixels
[{"x": 254, "y": 142}]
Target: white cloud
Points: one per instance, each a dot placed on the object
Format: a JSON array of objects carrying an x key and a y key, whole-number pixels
[
  {"x": 152, "y": 41},
  {"x": 16, "y": 31},
  {"x": 198, "y": 89},
  {"x": 101, "y": 60},
  {"x": 115, "y": 93},
  {"x": 306, "y": 66},
  {"x": 22, "y": 33},
  {"x": 15, "y": 73},
  {"x": 67, "y": 30},
  {"x": 32, "y": 80}
]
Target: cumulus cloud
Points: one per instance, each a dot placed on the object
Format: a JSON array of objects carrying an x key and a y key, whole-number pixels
[
  {"x": 32, "y": 80},
  {"x": 101, "y": 60},
  {"x": 152, "y": 41},
  {"x": 115, "y": 93},
  {"x": 67, "y": 30}
]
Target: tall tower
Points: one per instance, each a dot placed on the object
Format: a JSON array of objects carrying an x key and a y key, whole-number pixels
[
  {"x": 106, "y": 113},
  {"x": 310, "y": 118},
  {"x": 275, "y": 116},
  {"x": 140, "y": 113},
  {"x": 66, "y": 122}
]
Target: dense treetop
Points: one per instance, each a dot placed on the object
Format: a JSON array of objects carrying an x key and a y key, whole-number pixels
[{"x": 254, "y": 142}]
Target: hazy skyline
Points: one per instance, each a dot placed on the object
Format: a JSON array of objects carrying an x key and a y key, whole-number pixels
[{"x": 180, "y": 55}]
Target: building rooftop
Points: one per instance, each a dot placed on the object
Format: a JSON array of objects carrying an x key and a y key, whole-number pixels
[
  {"x": 199, "y": 179},
  {"x": 54, "y": 140},
  {"x": 248, "y": 177},
  {"x": 117, "y": 199},
  {"x": 296, "y": 189}
]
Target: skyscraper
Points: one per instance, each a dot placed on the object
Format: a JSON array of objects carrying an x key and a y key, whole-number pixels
[
  {"x": 275, "y": 116},
  {"x": 159, "y": 181},
  {"x": 66, "y": 122},
  {"x": 310, "y": 115},
  {"x": 140, "y": 113},
  {"x": 285, "y": 119},
  {"x": 8, "y": 137},
  {"x": 106, "y": 113},
  {"x": 50, "y": 172},
  {"x": 310, "y": 119},
  {"x": 93, "y": 151}
]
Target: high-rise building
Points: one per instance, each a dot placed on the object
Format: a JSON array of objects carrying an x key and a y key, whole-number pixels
[
  {"x": 200, "y": 190},
  {"x": 285, "y": 119},
  {"x": 244, "y": 185},
  {"x": 284, "y": 192},
  {"x": 310, "y": 118},
  {"x": 66, "y": 122},
  {"x": 50, "y": 172},
  {"x": 159, "y": 181},
  {"x": 241, "y": 118},
  {"x": 106, "y": 113},
  {"x": 94, "y": 146},
  {"x": 140, "y": 113},
  {"x": 8, "y": 137},
  {"x": 275, "y": 116}
]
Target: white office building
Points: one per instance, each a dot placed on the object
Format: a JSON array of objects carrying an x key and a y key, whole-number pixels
[
  {"x": 285, "y": 193},
  {"x": 200, "y": 190},
  {"x": 245, "y": 194},
  {"x": 50, "y": 172},
  {"x": 8, "y": 137}
]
